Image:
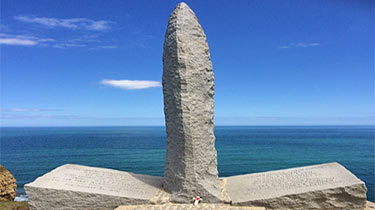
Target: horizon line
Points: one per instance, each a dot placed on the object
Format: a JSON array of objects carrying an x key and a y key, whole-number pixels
[{"x": 260, "y": 125}]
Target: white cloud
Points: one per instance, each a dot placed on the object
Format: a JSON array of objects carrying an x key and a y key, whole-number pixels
[
  {"x": 14, "y": 41},
  {"x": 22, "y": 40},
  {"x": 27, "y": 40},
  {"x": 67, "y": 45},
  {"x": 23, "y": 110},
  {"x": 72, "y": 23},
  {"x": 105, "y": 47},
  {"x": 301, "y": 44},
  {"x": 108, "y": 47},
  {"x": 131, "y": 84},
  {"x": 28, "y": 110},
  {"x": 307, "y": 44}
]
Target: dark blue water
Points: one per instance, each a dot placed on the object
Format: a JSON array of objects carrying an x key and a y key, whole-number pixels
[{"x": 31, "y": 152}]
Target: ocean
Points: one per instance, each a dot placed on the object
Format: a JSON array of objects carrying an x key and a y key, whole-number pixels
[{"x": 31, "y": 152}]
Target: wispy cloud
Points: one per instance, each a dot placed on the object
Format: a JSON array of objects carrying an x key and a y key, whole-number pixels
[
  {"x": 131, "y": 84},
  {"x": 83, "y": 41},
  {"x": 22, "y": 40},
  {"x": 14, "y": 41},
  {"x": 38, "y": 116},
  {"x": 90, "y": 41},
  {"x": 301, "y": 44},
  {"x": 28, "y": 110},
  {"x": 295, "y": 120},
  {"x": 65, "y": 45},
  {"x": 72, "y": 23},
  {"x": 106, "y": 47},
  {"x": 37, "y": 119},
  {"x": 79, "y": 39}
]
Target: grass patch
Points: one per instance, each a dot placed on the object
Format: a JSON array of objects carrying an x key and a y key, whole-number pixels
[{"x": 13, "y": 205}]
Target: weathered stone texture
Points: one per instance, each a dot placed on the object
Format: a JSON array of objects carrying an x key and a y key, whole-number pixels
[
  {"x": 370, "y": 205},
  {"x": 8, "y": 186},
  {"x": 188, "y": 87},
  {"x": 81, "y": 187},
  {"x": 325, "y": 186},
  {"x": 174, "y": 206}
]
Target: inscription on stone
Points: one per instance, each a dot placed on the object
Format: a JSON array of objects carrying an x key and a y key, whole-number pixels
[
  {"x": 286, "y": 180},
  {"x": 271, "y": 189},
  {"x": 98, "y": 180}
]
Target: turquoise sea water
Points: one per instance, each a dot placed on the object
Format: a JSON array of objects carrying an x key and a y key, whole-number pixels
[{"x": 31, "y": 152}]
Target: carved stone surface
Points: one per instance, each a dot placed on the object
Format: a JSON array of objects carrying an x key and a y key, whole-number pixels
[
  {"x": 180, "y": 206},
  {"x": 191, "y": 161},
  {"x": 188, "y": 87},
  {"x": 82, "y": 187},
  {"x": 325, "y": 186}
]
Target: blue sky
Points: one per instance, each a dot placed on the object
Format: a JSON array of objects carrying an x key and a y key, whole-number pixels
[{"x": 76, "y": 63}]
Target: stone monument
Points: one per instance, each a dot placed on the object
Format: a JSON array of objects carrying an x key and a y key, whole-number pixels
[
  {"x": 82, "y": 187},
  {"x": 188, "y": 87},
  {"x": 325, "y": 186},
  {"x": 191, "y": 162}
]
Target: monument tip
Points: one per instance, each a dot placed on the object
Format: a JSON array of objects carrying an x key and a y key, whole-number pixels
[{"x": 182, "y": 6}]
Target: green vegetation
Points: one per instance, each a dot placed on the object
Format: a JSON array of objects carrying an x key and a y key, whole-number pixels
[{"x": 13, "y": 205}]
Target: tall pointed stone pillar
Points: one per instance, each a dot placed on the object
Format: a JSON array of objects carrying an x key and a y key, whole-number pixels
[{"x": 188, "y": 87}]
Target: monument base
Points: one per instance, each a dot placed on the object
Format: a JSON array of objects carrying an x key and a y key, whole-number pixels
[
  {"x": 82, "y": 187},
  {"x": 325, "y": 186},
  {"x": 179, "y": 206}
]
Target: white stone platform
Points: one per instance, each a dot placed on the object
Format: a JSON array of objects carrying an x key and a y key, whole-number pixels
[
  {"x": 175, "y": 206},
  {"x": 325, "y": 186},
  {"x": 82, "y": 187}
]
